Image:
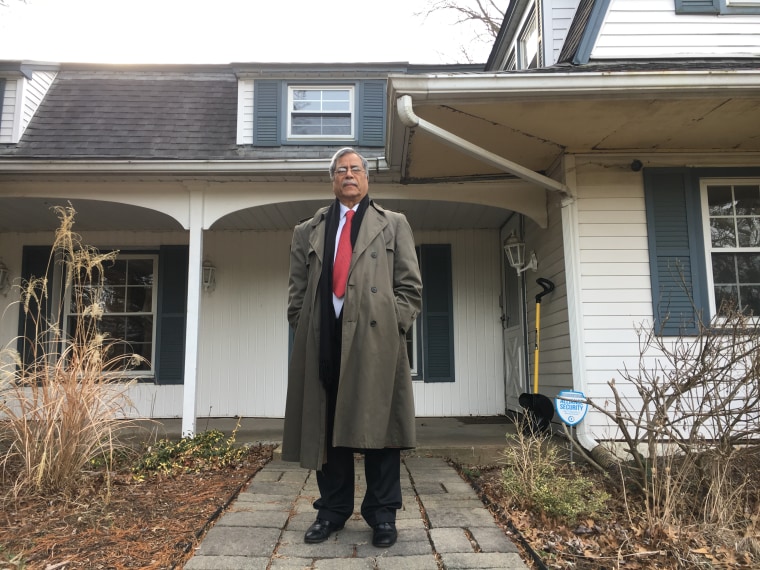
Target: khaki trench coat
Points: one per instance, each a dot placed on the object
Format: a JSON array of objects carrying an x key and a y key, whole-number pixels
[{"x": 375, "y": 403}]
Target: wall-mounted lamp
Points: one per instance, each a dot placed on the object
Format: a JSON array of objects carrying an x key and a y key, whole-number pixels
[
  {"x": 5, "y": 282},
  {"x": 515, "y": 250},
  {"x": 208, "y": 276}
]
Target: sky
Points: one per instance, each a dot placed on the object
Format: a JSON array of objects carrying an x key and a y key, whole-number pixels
[{"x": 224, "y": 31}]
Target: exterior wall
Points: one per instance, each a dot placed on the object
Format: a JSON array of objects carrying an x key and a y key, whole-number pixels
[
  {"x": 8, "y": 111},
  {"x": 478, "y": 343},
  {"x": 652, "y": 29},
  {"x": 33, "y": 94},
  {"x": 243, "y": 344},
  {"x": 554, "y": 362},
  {"x": 245, "y": 112},
  {"x": 616, "y": 298},
  {"x": 558, "y": 15},
  {"x": 21, "y": 100}
]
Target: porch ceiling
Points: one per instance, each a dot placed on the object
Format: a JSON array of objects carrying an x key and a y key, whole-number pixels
[
  {"x": 533, "y": 120},
  {"x": 37, "y": 215}
]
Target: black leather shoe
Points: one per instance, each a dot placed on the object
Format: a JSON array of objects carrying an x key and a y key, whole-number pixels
[
  {"x": 320, "y": 530},
  {"x": 384, "y": 535}
]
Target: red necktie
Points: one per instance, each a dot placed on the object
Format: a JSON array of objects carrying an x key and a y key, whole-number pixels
[{"x": 343, "y": 258}]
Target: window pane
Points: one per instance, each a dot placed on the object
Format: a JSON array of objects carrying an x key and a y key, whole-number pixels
[
  {"x": 139, "y": 329},
  {"x": 139, "y": 300},
  {"x": 725, "y": 298},
  {"x": 115, "y": 273},
  {"x": 307, "y": 95},
  {"x": 336, "y": 106},
  {"x": 338, "y": 95},
  {"x": 747, "y": 200},
  {"x": 720, "y": 200},
  {"x": 722, "y": 232},
  {"x": 748, "y": 265},
  {"x": 113, "y": 299},
  {"x": 750, "y": 299},
  {"x": 724, "y": 268},
  {"x": 313, "y": 106},
  {"x": 748, "y": 230},
  {"x": 140, "y": 272}
]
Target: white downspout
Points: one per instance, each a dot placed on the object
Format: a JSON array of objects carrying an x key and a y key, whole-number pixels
[
  {"x": 190, "y": 392},
  {"x": 410, "y": 119},
  {"x": 571, "y": 245}
]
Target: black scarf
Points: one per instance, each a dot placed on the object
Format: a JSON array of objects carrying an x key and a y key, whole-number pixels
[{"x": 329, "y": 343}]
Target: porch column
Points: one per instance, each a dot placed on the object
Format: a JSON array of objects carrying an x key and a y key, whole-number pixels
[{"x": 193, "y": 314}]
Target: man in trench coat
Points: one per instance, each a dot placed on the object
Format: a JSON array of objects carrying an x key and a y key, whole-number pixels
[{"x": 349, "y": 383}]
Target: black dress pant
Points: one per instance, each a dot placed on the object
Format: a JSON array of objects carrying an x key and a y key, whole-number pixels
[
  {"x": 382, "y": 471},
  {"x": 382, "y": 468}
]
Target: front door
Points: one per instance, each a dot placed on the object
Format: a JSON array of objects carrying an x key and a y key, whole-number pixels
[{"x": 513, "y": 323}]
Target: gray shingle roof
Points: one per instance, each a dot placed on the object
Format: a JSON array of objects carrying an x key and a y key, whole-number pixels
[{"x": 135, "y": 115}]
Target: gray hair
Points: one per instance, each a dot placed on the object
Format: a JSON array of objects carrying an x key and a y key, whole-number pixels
[{"x": 343, "y": 152}]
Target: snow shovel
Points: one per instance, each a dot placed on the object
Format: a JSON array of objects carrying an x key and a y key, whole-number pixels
[{"x": 539, "y": 410}]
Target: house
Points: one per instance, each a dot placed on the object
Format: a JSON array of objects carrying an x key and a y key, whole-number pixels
[
  {"x": 187, "y": 170},
  {"x": 626, "y": 128},
  {"x": 596, "y": 133}
]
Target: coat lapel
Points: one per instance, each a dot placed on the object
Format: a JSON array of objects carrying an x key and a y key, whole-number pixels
[{"x": 373, "y": 224}]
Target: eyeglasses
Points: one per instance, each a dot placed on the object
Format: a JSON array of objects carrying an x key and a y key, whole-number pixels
[{"x": 342, "y": 171}]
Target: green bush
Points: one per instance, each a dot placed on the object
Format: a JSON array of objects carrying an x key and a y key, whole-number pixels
[
  {"x": 535, "y": 477},
  {"x": 205, "y": 451}
]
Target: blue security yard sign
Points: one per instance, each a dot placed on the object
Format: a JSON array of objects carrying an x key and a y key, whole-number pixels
[{"x": 571, "y": 406}]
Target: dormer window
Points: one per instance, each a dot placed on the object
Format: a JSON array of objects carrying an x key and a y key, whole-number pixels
[{"x": 320, "y": 112}]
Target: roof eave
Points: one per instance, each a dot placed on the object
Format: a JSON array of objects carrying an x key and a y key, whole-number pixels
[{"x": 84, "y": 166}]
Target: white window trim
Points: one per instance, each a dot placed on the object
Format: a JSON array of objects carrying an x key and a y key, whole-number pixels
[
  {"x": 154, "y": 305},
  {"x": 331, "y": 87},
  {"x": 703, "y": 184}
]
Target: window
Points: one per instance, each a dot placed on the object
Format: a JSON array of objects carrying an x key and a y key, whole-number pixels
[
  {"x": 731, "y": 210},
  {"x": 298, "y": 113},
  {"x": 703, "y": 227},
  {"x": 127, "y": 299},
  {"x": 528, "y": 43},
  {"x": 430, "y": 345},
  {"x": 320, "y": 112},
  {"x": 144, "y": 299}
]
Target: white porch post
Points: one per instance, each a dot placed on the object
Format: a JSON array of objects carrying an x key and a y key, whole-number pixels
[{"x": 193, "y": 314}]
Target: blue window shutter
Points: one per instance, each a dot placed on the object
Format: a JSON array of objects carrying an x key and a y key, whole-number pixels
[
  {"x": 697, "y": 6},
  {"x": 676, "y": 250},
  {"x": 172, "y": 314},
  {"x": 34, "y": 264},
  {"x": 266, "y": 113},
  {"x": 372, "y": 114},
  {"x": 437, "y": 313}
]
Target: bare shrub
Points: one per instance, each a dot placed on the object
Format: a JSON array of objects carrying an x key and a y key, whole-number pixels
[
  {"x": 62, "y": 402},
  {"x": 692, "y": 428}
]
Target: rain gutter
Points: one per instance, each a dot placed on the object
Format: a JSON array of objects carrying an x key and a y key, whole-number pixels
[
  {"x": 282, "y": 167},
  {"x": 410, "y": 119}
]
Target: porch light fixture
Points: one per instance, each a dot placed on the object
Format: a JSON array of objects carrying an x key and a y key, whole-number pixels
[
  {"x": 5, "y": 282},
  {"x": 515, "y": 250},
  {"x": 208, "y": 276}
]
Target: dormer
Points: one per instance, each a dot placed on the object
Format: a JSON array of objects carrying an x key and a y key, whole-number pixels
[
  {"x": 303, "y": 105},
  {"x": 22, "y": 88}
]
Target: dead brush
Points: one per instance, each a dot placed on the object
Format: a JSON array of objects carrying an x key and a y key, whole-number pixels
[{"x": 63, "y": 397}]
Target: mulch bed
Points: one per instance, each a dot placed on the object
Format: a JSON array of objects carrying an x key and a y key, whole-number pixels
[{"x": 154, "y": 524}]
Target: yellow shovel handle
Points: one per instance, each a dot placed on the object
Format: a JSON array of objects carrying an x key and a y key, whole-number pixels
[{"x": 535, "y": 352}]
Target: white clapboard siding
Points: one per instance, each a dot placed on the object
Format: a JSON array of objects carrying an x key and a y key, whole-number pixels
[
  {"x": 245, "y": 112},
  {"x": 652, "y": 29},
  {"x": 558, "y": 17},
  {"x": 554, "y": 358},
  {"x": 616, "y": 299},
  {"x": 35, "y": 91},
  {"x": 8, "y": 110},
  {"x": 243, "y": 348},
  {"x": 478, "y": 344}
]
